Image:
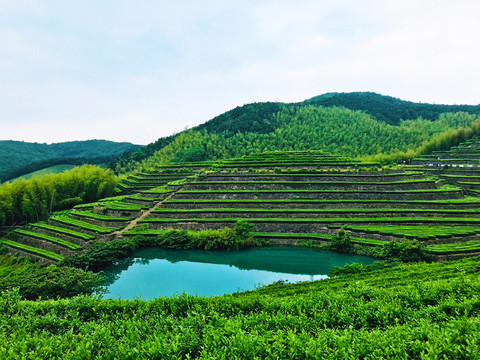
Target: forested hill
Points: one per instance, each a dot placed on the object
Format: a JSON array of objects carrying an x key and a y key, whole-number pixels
[
  {"x": 352, "y": 124},
  {"x": 18, "y": 157},
  {"x": 388, "y": 109}
]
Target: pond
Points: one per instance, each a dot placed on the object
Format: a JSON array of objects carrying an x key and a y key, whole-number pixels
[{"x": 154, "y": 272}]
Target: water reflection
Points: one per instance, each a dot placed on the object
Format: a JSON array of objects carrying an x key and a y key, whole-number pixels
[{"x": 161, "y": 272}]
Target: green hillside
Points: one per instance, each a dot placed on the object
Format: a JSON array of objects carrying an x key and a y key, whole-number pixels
[
  {"x": 356, "y": 124},
  {"x": 56, "y": 169},
  {"x": 18, "y": 157},
  {"x": 389, "y": 109},
  {"x": 336, "y": 130}
]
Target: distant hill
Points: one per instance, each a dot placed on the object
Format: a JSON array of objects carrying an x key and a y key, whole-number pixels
[
  {"x": 18, "y": 157},
  {"x": 352, "y": 124},
  {"x": 388, "y": 109}
]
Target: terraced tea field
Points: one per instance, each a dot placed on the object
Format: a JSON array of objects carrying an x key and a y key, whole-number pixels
[{"x": 288, "y": 197}]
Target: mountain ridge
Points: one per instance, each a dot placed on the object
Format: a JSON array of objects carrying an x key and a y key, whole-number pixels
[
  {"x": 366, "y": 112},
  {"x": 388, "y": 108},
  {"x": 20, "y": 157}
]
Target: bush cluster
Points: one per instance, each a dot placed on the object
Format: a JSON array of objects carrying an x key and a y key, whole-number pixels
[
  {"x": 406, "y": 250},
  {"x": 46, "y": 282},
  {"x": 100, "y": 254}
]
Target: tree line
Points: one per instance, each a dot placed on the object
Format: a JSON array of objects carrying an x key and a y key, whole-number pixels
[
  {"x": 336, "y": 130},
  {"x": 24, "y": 201}
]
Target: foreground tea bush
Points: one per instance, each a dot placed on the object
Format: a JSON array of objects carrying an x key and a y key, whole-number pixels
[
  {"x": 47, "y": 282},
  {"x": 409, "y": 311}
]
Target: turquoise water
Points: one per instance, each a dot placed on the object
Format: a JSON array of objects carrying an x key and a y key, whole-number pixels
[{"x": 155, "y": 272}]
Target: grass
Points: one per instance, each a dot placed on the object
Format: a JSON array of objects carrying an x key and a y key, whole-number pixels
[
  {"x": 465, "y": 200},
  {"x": 120, "y": 205},
  {"x": 101, "y": 217},
  {"x": 111, "y": 205},
  {"x": 52, "y": 239},
  {"x": 418, "y": 232},
  {"x": 473, "y": 245},
  {"x": 307, "y": 236},
  {"x": 313, "y": 211},
  {"x": 307, "y": 183},
  {"x": 157, "y": 190},
  {"x": 319, "y": 174},
  {"x": 64, "y": 231},
  {"x": 456, "y": 247},
  {"x": 49, "y": 170},
  {"x": 328, "y": 220},
  {"x": 444, "y": 188},
  {"x": 32, "y": 250},
  {"x": 140, "y": 198},
  {"x": 142, "y": 231},
  {"x": 83, "y": 225}
]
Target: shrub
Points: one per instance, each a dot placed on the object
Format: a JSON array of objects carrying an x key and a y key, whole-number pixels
[
  {"x": 341, "y": 241},
  {"x": 357, "y": 268},
  {"x": 354, "y": 268},
  {"x": 100, "y": 254},
  {"x": 405, "y": 250},
  {"x": 48, "y": 282},
  {"x": 222, "y": 239}
]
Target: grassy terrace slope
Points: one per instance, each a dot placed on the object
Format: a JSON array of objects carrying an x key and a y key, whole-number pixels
[
  {"x": 283, "y": 198},
  {"x": 284, "y": 204},
  {"x": 62, "y": 235}
]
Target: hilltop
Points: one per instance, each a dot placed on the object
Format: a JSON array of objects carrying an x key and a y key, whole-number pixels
[
  {"x": 389, "y": 109},
  {"x": 18, "y": 158},
  {"x": 349, "y": 124}
]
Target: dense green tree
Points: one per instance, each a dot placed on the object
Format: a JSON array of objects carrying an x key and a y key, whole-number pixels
[
  {"x": 19, "y": 158},
  {"x": 336, "y": 130},
  {"x": 353, "y": 124},
  {"x": 31, "y": 200}
]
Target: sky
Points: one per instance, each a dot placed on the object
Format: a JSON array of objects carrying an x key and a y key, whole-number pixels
[{"x": 138, "y": 70}]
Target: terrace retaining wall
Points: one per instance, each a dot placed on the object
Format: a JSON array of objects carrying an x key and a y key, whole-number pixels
[
  {"x": 316, "y": 205},
  {"x": 374, "y": 177},
  {"x": 59, "y": 235},
  {"x": 280, "y": 227},
  {"x": 36, "y": 258},
  {"x": 103, "y": 223},
  {"x": 423, "y": 195},
  {"x": 302, "y": 215},
  {"x": 421, "y": 185},
  {"x": 42, "y": 244}
]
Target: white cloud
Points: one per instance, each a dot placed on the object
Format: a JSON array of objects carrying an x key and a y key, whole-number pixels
[{"x": 141, "y": 70}]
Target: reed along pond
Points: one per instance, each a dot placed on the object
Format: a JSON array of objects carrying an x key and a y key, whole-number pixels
[{"x": 154, "y": 272}]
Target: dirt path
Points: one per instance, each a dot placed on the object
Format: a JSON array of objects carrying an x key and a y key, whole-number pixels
[{"x": 145, "y": 213}]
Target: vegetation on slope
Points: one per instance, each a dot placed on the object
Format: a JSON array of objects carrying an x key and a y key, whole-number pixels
[
  {"x": 31, "y": 200},
  {"x": 46, "y": 282},
  {"x": 18, "y": 157},
  {"x": 405, "y": 312},
  {"x": 441, "y": 141},
  {"x": 337, "y": 130},
  {"x": 389, "y": 109},
  {"x": 278, "y": 126},
  {"x": 55, "y": 169}
]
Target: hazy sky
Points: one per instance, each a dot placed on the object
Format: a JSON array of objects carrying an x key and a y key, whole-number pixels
[{"x": 137, "y": 70}]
